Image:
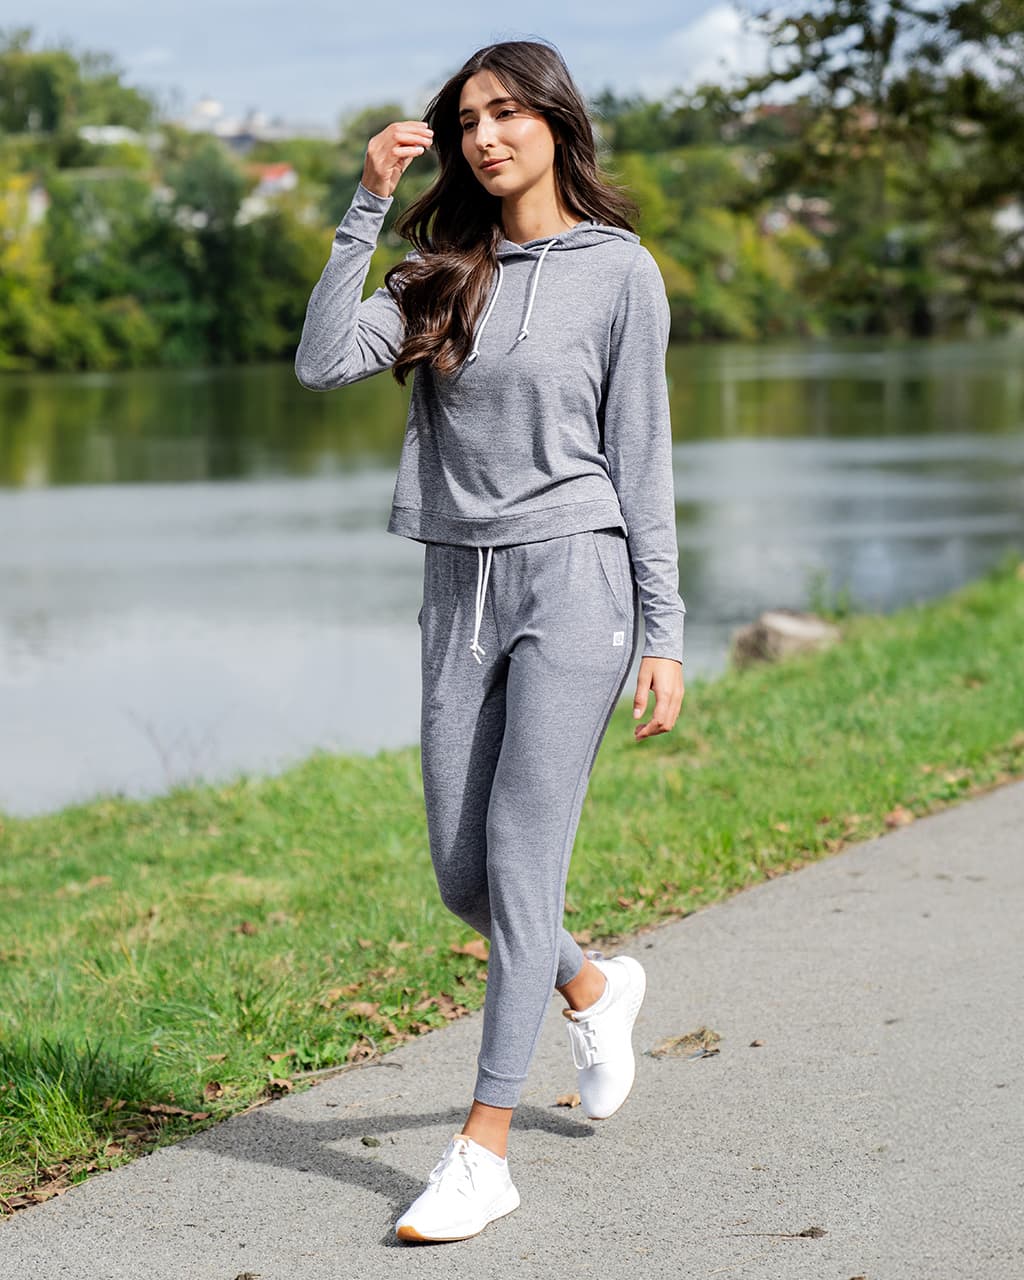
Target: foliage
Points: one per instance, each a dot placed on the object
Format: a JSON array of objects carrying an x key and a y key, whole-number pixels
[{"x": 882, "y": 197}]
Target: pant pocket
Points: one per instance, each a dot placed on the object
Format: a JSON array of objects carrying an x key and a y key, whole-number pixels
[{"x": 613, "y": 556}]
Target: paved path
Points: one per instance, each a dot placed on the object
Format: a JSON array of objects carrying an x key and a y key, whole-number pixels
[{"x": 885, "y": 1106}]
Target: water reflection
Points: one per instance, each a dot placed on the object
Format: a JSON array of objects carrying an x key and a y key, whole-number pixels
[{"x": 195, "y": 577}]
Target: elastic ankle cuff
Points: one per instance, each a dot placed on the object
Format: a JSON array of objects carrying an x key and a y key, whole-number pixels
[{"x": 496, "y": 1090}]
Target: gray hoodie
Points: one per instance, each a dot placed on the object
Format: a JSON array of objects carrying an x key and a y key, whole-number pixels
[{"x": 558, "y": 420}]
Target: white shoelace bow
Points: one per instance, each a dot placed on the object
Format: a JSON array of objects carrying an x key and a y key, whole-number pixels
[
  {"x": 481, "y": 591},
  {"x": 458, "y": 1162}
]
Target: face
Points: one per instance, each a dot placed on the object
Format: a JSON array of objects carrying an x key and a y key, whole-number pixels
[{"x": 496, "y": 126}]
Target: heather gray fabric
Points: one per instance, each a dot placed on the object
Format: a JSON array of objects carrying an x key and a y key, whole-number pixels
[
  {"x": 558, "y": 422},
  {"x": 507, "y": 746}
]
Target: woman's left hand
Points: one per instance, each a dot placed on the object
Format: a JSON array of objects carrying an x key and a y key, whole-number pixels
[{"x": 665, "y": 677}]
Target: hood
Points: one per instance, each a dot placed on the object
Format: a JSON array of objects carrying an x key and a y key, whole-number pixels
[{"x": 582, "y": 236}]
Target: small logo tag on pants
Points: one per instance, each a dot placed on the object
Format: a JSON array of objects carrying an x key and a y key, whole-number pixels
[{"x": 618, "y": 637}]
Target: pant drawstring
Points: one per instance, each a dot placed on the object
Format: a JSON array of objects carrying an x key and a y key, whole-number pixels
[{"x": 482, "y": 575}]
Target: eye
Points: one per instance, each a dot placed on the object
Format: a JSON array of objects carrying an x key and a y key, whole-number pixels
[{"x": 505, "y": 111}]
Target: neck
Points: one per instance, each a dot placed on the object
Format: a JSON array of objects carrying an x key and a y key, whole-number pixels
[{"x": 534, "y": 215}]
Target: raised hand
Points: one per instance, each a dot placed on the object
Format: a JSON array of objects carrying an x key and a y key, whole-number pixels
[{"x": 390, "y": 152}]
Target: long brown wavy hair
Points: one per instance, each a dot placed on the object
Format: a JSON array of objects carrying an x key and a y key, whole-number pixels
[{"x": 456, "y": 224}]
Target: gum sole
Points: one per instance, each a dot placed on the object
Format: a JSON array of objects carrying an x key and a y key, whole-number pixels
[{"x": 410, "y": 1233}]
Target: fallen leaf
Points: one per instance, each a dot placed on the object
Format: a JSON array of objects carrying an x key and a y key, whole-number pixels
[
  {"x": 164, "y": 1109},
  {"x": 216, "y": 1057},
  {"x": 695, "y": 1044},
  {"x": 363, "y": 1008},
  {"x": 898, "y": 817},
  {"x": 477, "y": 949},
  {"x": 246, "y": 927},
  {"x": 756, "y": 1044},
  {"x": 567, "y": 1100},
  {"x": 362, "y": 1049},
  {"x": 334, "y": 995},
  {"x": 213, "y": 1089},
  {"x": 450, "y": 1007}
]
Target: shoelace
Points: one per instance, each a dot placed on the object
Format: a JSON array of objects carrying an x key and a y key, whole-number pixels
[
  {"x": 582, "y": 1032},
  {"x": 458, "y": 1164},
  {"x": 583, "y": 1042}
]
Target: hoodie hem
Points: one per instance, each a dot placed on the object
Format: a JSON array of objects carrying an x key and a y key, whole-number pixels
[{"x": 496, "y": 531}]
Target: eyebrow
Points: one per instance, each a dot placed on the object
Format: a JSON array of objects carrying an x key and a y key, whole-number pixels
[{"x": 467, "y": 111}]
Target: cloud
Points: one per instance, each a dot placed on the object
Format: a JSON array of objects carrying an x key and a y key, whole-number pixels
[{"x": 714, "y": 46}]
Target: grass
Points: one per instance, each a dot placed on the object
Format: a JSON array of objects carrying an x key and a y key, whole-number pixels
[{"x": 165, "y": 963}]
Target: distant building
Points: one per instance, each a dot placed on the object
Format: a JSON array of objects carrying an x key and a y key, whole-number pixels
[
  {"x": 242, "y": 133},
  {"x": 273, "y": 180}
]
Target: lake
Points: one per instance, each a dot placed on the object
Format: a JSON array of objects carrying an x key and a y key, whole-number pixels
[{"x": 196, "y": 580}]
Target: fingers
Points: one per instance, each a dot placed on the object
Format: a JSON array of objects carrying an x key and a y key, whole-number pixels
[
  {"x": 390, "y": 152},
  {"x": 643, "y": 690},
  {"x": 666, "y": 678}
]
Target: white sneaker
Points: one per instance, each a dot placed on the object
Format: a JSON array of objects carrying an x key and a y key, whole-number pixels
[
  {"x": 468, "y": 1188},
  {"x": 601, "y": 1037}
]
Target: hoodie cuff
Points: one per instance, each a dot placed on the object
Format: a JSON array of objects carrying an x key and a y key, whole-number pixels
[
  {"x": 366, "y": 195},
  {"x": 663, "y": 636},
  {"x": 365, "y": 216}
]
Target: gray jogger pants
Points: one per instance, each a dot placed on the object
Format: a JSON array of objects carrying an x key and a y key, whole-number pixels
[{"x": 510, "y": 728}]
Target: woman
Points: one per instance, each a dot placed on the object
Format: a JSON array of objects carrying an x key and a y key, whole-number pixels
[{"x": 538, "y": 432}]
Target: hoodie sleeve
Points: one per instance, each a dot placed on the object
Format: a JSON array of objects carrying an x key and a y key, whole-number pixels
[
  {"x": 345, "y": 338},
  {"x": 638, "y": 446}
]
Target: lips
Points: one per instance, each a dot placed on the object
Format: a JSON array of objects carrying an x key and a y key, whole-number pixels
[{"x": 493, "y": 164}]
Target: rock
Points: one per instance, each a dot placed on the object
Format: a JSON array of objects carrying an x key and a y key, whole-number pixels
[{"x": 779, "y": 633}]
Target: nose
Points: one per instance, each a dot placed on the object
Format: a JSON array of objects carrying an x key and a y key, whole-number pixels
[{"x": 482, "y": 133}]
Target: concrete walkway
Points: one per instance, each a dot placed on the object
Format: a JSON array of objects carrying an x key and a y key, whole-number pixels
[{"x": 885, "y": 1107}]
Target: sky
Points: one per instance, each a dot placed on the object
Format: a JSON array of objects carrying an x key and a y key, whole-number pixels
[{"x": 314, "y": 61}]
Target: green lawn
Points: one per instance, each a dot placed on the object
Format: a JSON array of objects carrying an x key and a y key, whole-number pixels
[{"x": 202, "y": 951}]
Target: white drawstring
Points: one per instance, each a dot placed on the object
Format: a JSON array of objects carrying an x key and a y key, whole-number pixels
[
  {"x": 533, "y": 289},
  {"x": 494, "y": 298},
  {"x": 481, "y": 591}
]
